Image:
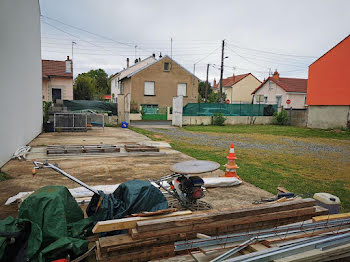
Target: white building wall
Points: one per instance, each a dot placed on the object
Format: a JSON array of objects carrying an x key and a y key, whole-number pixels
[
  {"x": 20, "y": 74},
  {"x": 271, "y": 91}
]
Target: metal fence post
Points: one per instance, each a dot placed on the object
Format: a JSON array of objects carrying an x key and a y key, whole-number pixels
[{"x": 54, "y": 122}]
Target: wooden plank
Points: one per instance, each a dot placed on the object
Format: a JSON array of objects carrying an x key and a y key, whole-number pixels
[
  {"x": 155, "y": 213},
  {"x": 256, "y": 247},
  {"x": 250, "y": 220},
  {"x": 130, "y": 222},
  {"x": 209, "y": 217},
  {"x": 281, "y": 189},
  {"x": 330, "y": 217}
]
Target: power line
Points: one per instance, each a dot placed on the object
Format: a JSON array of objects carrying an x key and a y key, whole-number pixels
[
  {"x": 269, "y": 52},
  {"x": 279, "y": 63}
]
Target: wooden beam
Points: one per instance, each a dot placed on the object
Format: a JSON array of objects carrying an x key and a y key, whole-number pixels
[
  {"x": 206, "y": 225},
  {"x": 330, "y": 217},
  {"x": 210, "y": 217},
  {"x": 130, "y": 222}
]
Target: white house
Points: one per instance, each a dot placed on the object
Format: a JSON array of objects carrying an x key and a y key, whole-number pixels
[
  {"x": 278, "y": 90},
  {"x": 115, "y": 80},
  {"x": 20, "y": 74}
]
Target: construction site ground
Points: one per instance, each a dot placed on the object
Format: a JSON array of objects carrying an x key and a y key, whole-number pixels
[
  {"x": 108, "y": 168},
  {"x": 303, "y": 160}
]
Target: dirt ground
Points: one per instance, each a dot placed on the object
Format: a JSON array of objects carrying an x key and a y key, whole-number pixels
[{"x": 108, "y": 169}]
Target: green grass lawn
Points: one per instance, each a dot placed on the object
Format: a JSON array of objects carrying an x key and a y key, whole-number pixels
[
  {"x": 4, "y": 176},
  {"x": 273, "y": 130},
  {"x": 302, "y": 174}
]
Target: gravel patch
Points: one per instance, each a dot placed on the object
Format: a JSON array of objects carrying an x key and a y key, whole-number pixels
[{"x": 283, "y": 145}]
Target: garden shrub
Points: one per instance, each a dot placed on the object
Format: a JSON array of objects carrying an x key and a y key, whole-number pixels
[
  {"x": 280, "y": 118},
  {"x": 219, "y": 119}
]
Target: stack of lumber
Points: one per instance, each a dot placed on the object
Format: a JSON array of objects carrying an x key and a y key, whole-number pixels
[{"x": 153, "y": 238}]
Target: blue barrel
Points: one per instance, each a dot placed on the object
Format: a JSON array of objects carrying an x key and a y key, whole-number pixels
[{"x": 124, "y": 125}]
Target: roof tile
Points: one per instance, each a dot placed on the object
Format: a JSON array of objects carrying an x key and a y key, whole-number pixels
[{"x": 54, "y": 68}]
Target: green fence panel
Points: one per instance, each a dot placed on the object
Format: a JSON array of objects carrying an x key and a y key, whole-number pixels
[
  {"x": 96, "y": 106},
  {"x": 154, "y": 113},
  {"x": 204, "y": 109}
]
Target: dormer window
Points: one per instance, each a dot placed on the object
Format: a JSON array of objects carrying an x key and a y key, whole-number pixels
[{"x": 166, "y": 66}]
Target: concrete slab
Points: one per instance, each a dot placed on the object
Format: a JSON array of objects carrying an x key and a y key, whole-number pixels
[
  {"x": 107, "y": 135},
  {"x": 109, "y": 169}
]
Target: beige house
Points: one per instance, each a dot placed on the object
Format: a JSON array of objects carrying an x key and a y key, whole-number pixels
[
  {"x": 238, "y": 88},
  {"x": 155, "y": 84},
  {"x": 57, "y": 77},
  {"x": 278, "y": 90}
]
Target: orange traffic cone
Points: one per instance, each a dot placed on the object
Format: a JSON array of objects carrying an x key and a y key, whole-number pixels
[{"x": 231, "y": 164}]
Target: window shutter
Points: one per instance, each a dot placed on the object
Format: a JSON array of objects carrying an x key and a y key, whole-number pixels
[
  {"x": 149, "y": 88},
  {"x": 181, "y": 89}
]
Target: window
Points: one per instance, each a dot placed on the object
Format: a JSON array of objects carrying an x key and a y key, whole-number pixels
[
  {"x": 182, "y": 89},
  {"x": 149, "y": 88},
  {"x": 265, "y": 99},
  {"x": 166, "y": 66},
  {"x": 259, "y": 99},
  {"x": 279, "y": 101}
]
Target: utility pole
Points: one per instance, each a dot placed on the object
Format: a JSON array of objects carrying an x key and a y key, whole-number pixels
[
  {"x": 206, "y": 85},
  {"x": 222, "y": 68},
  {"x": 73, "y": 43},
  {"x": 171, "y": 48}
]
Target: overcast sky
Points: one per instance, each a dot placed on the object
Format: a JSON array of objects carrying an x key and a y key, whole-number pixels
[{"x": 259, "y": 35}]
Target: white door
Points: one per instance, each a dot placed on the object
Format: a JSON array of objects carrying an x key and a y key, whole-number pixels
[
  {"x": 279, "y": 101},
  {"x": 181, "y": 89}
]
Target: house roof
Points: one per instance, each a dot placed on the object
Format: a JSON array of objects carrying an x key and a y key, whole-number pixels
[
  {"x": 287, "y": 84},
  {"x": 330, "y": 50},
  {"x": 134, "y": 68},
  {"x": 54, "y": 68},
  {"x": 230, "y": 81},
  {"x": 148, "y": 65}
]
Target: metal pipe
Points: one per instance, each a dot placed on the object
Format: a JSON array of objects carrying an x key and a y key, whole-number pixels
[
  {"x": 38, "y": 165},
  {"x": 282, "y": 252},
  {"x": 261, "y": 234},
  {"x": 234, "y": 250}
]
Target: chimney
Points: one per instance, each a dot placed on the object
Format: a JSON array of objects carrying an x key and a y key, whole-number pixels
[
  {"x": 127, "y": 62},
  {"x": 139, "y": 59},
  {"x": 276, "y": 75},
  {"x": 160, "y": 55},
  {"x": 214, "y": 82},
  {"x": 69, "y": 68},
  {"x": 154, "y": 55},
  {"x": 233, "y": 77},
  {"x": 136, "y": 61}
]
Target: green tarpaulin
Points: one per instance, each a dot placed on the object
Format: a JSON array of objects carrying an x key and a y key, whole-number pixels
[
  {"x": 131, "y": 197},
  {"x": 57, "y": 225}
]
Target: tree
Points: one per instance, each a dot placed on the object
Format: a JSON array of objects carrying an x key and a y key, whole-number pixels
[
  {"x": 101, "y": 82},
  {"x": 215, "y": 97},
  {"x": 201, "y": 89},
  {"x": 84, "y": 87}
]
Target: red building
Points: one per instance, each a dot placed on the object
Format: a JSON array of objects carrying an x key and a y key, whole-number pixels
[{"x": 328, "y": 88}]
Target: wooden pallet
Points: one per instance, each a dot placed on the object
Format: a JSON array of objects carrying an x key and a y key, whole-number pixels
[
  {"x": 140, "y": 148},
  {"x": 80, "y": 149}
]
